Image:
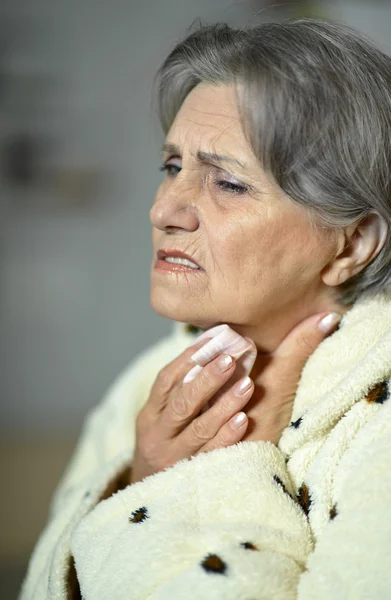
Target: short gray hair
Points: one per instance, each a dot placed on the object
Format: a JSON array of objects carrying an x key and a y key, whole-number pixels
[{"x": 316, "y": 110}]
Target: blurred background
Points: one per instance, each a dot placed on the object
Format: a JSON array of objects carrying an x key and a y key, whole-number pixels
[{"x": 79, "y": 158}]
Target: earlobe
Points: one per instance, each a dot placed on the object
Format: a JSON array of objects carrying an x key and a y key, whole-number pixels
[{"x": 359, "y": 246}]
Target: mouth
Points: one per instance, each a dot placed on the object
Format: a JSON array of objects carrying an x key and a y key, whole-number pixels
[{"x": 175, "y": 260}]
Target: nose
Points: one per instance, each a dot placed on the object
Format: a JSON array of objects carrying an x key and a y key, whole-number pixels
[{"x": 174, "y": 209}]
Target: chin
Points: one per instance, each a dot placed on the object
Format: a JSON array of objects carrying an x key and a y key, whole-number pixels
[
  {"x": 181, "y": 313},
  {"x": 169, "y": 310}
]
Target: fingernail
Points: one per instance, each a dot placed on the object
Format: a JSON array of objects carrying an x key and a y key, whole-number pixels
[
  {"x": 192, "y": 374},
  {"x": 242, "y": 387},
  {"x": 328, "y": 323},
  {"x": 238, "y": 420},
  {"x": 224, "y": 362}
]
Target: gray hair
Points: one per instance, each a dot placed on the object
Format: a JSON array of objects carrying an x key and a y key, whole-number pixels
[{"x": 316, "y": 109}]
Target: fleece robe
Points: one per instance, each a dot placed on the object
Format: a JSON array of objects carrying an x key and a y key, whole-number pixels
[{"x": 307, "y": 519}]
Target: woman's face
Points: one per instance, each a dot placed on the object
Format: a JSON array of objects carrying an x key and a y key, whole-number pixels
[{"x": 260, "y": 255}]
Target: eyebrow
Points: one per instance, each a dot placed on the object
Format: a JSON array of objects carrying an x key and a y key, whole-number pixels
[{"x": 203, "y": 156}]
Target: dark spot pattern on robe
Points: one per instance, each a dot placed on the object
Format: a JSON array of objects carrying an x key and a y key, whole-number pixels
[
  {"x": 139, "y": 515},
  {"x": 379, "y": 393},
  {"x": 296, "y": 424},
  {"x": 282, "y": 485},
  {"x": 304, "y": 498},
  {"x": 249, "y": 546},
  {"x": 212, "y": 563}
]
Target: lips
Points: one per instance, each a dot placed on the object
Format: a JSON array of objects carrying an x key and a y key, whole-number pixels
[{"x": 161, "y": 255}]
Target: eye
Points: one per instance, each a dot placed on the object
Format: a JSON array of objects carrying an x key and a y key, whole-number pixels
[
  {"x": 224, "y": 185},
  {"x": 229, "y": 186},
  {"x": 171, "y": 170}
]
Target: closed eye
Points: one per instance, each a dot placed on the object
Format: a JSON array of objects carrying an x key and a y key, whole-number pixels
[
  {"x": 228, "y": 186},
  {"x": 223, "y": 184}
]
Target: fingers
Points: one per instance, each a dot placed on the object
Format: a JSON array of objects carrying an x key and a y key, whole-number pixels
[
  {"x": 303, "y": 340},
  {"x": 188, "y": 399},
  {"x": 230, "y": 433},
  {"x": 219, "y": 425},
  {"x": 171, "y": 375},
  {"x": 225, "y": 339}
]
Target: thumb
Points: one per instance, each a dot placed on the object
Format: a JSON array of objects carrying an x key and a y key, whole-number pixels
[{"x": 303, "y": 340}]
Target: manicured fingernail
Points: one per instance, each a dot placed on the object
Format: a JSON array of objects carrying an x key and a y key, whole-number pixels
[
  {"x": 328, "y": 323},
  {"x": 243, "y": 386},
  {"x": 238, "y": 420},
  {"x": 224, "y": 362},
  {"x": 192, "y": 374}
]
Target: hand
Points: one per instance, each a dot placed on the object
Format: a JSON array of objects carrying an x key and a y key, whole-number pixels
[
  {"x": 270, "y": 407},
  {"x": 171, "y": 426},
  {"x": 182, "y": 419}
]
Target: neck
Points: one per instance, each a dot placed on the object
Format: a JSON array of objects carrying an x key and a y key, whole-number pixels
[{"x": 269, "y": 334}]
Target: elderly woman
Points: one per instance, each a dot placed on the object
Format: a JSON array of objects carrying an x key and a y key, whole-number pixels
[{"x": 252, "y": 461}]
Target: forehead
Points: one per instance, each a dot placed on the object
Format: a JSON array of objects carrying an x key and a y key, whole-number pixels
[{"x": 209, "y": 118}]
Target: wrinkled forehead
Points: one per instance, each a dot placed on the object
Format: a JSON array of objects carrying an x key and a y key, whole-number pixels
[{"x": 209, "y": 120}]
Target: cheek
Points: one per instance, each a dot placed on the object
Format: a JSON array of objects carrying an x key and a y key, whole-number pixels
[
  {"x": 298, "y": 250},
  {"x": 229, "y": 246},
  {"x": 238, "y": 247},
  {"x": 270, "y": 246}
]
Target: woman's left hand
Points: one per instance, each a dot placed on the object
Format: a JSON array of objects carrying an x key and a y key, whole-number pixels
[{"x": 275, "y": 375}]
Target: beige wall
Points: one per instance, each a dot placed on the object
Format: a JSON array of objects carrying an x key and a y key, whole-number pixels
[{"x": 29, "y": 472}]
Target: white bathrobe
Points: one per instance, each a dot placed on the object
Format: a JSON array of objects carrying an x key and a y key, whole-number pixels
[{"x": 307, "y": 519}]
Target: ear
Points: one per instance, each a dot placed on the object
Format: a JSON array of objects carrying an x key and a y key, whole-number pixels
[{"x": 357, "y": 246}]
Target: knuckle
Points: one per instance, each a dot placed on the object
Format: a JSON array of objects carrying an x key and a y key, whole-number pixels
[
  {"x": 208, "y": 379},
  {"x": 305, "y": 344},
  {"x": 225, "y": 437},
  {"x": 199, "y": 429},
  {"x": 227, "y": 405},
  {"x": 179, "y": 407},
  {"x": 165, "y": 380}
]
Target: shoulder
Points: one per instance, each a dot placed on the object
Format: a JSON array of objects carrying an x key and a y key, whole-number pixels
[{"x": 364, "y": 468}]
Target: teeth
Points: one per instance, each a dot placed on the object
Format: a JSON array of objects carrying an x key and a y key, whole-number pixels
[{"x": 180, "y": 261}]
